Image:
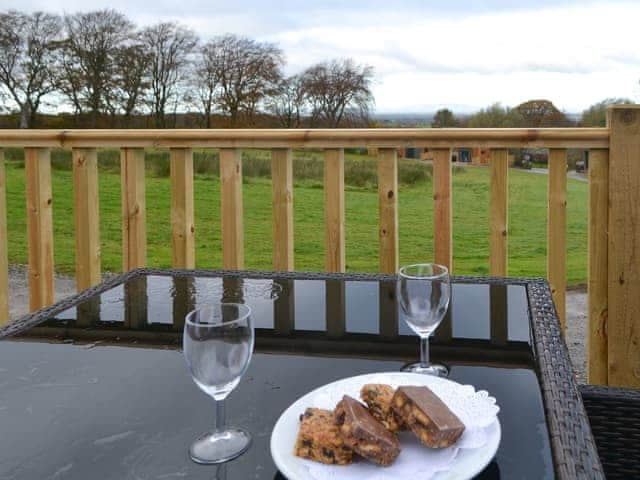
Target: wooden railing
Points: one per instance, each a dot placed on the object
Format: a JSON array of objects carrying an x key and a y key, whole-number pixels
[{"x": 614, "y": 208}]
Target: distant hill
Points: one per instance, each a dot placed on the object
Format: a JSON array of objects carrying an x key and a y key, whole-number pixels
[
  {"x": 419, "y": 119},
  {"x": 403, "y": 119}
]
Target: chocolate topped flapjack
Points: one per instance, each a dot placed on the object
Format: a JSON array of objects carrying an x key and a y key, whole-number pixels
[
  {"x": 427, "y": 416},
  {"x": 378, "y": 398},
  {"x": 364, "y": 434}
]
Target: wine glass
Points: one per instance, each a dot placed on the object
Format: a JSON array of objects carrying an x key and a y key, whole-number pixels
[
  {"x": 423, "y": 291},
  {"x": 218, "y": 343}
]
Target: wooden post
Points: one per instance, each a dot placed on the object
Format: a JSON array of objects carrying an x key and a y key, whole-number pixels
[
  {"x": 37, "y": 163},
  {"x": 134, "y": 214},
  {"x": 86, "y": 216},
  {"x": 334, "y": 210},
  {"x": 597, "y": 256},
  {"x": 282, "y": 199},
  {"x": 231, "y": 203},
  {"x": 4, "y": 259},
  {"x": 182, "y": 214},
  {"x": 623, "y": 326},
  {"x": 442, "y": 208},
  {"x": 388, "y": 209},
  {"x": 499, "y": 213},
  {"x": 557, "y": 231}
]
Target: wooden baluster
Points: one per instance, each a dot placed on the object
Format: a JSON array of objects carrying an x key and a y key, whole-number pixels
[
  {"x": 284, "y": 309},
  {"x": 86, "y": 216},
  {"x": 136, "y": 303},
  {"x": 282, "y": 198},
  {"x": 134, "y": 214},
  {"x": 597, "y": 257},
  {"x": 231, "y": 203},
  {"x": 442, "y": 208},
  {"x": 623, "y": 325},
  {"x": 388, "y": 308},
  {"x": 499, "y": 314},
  {"x": 4, "y": 261},
  {"x": 39, "y": 226},
  {"x": 182, "y": 214},
  {"x": 557, "y": 231},
  {"x": 184, "y": 300},
  {"x": 499, "y": 213},
  {"x": 334, "y": 210},
  {"x": 388, "y": 209},
  {"x": 335, "y": 308}
]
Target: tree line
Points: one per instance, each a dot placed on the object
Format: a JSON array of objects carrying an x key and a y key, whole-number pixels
[
  {"x": 529, "y": 114},
  {"x": 109, "y": 73}
]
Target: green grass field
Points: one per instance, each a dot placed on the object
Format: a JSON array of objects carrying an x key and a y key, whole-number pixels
[{"x": 527, "y": 220}]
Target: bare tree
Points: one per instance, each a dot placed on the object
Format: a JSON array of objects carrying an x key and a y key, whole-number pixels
[
  {"x": 289, "y": 101},
  {"x": 169, "y": 45},
  {"x": 339, "y": 89},
  {"x": 131, "y": 80},
  {"x": 205, "y": 82},
  {"x": 26, "y": 60},
  {"x": 88, "y": 61},
  {"x": 247, "y": 71}
]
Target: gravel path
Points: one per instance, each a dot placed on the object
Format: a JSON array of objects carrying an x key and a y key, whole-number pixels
[
  {"x": 581, "y": 177},
  {"x": 576, "y": 312}
]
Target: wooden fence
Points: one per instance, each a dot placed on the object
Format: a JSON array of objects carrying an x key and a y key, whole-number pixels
[{"x": 614, "y": 208}]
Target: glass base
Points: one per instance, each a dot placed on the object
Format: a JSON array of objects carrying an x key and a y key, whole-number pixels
[
  {"x": 431, "y": 369},
  {"x": 219, "y": 447}
]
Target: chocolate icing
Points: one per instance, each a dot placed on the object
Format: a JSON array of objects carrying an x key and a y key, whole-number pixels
[
  {"x": 430, "y": 403},
  {"x": 364, "y": 433}
]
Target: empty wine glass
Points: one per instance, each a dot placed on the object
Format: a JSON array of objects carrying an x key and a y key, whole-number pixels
[
  {"x": 218, "y": 343},
  {"x": 423, "y": 294}
]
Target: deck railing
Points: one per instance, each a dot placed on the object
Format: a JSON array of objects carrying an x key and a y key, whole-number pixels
[{"x": 614, "y": 208}]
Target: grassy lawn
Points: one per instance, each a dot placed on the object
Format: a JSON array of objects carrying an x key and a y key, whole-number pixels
[{"x": 527, "y": 208}]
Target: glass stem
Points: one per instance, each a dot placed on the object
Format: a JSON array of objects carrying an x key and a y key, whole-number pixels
[
  {"x": 424, "y": 352},
  {"x": 219, "y": 416}
]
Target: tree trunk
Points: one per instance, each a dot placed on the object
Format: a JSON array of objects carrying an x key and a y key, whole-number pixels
[{"x": 24, "y": 115}]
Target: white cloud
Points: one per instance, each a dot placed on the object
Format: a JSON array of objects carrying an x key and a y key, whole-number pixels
[
  {"x": 571, "y": 55},
  {"x": 426, "y": 53}
]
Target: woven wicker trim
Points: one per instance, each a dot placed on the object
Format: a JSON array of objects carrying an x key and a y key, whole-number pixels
[{"x": 573, "y": 447}]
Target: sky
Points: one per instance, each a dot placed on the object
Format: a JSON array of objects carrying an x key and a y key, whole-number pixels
[{"x": 429, "y": 54}]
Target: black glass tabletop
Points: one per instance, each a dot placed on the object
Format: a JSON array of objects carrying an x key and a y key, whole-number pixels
[{"x": 97, "y": 387}]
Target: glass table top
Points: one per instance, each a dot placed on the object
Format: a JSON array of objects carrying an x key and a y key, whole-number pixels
[{"x": 100, "y": 390}]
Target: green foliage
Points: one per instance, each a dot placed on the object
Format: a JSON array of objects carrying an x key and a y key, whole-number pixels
[
  {"x": 495, "y": 116},
  {"x": 360, "y": 170},
  {"x": 596, "y": 114},
  {"x": 541, "y": 114},
  {"x": 444, "y": 118}
]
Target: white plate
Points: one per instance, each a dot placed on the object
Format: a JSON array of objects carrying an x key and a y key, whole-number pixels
[{"x": 467, "y": 463}]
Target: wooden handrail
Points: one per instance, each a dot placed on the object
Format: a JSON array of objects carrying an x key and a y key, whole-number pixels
[{"x": 320, "y": 138}]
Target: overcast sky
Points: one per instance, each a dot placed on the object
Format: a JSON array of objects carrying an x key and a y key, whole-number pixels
[{"x": 463, "y": 54}]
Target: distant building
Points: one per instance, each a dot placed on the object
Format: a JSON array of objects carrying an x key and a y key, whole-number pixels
[{"x": 474, "y": 156}]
